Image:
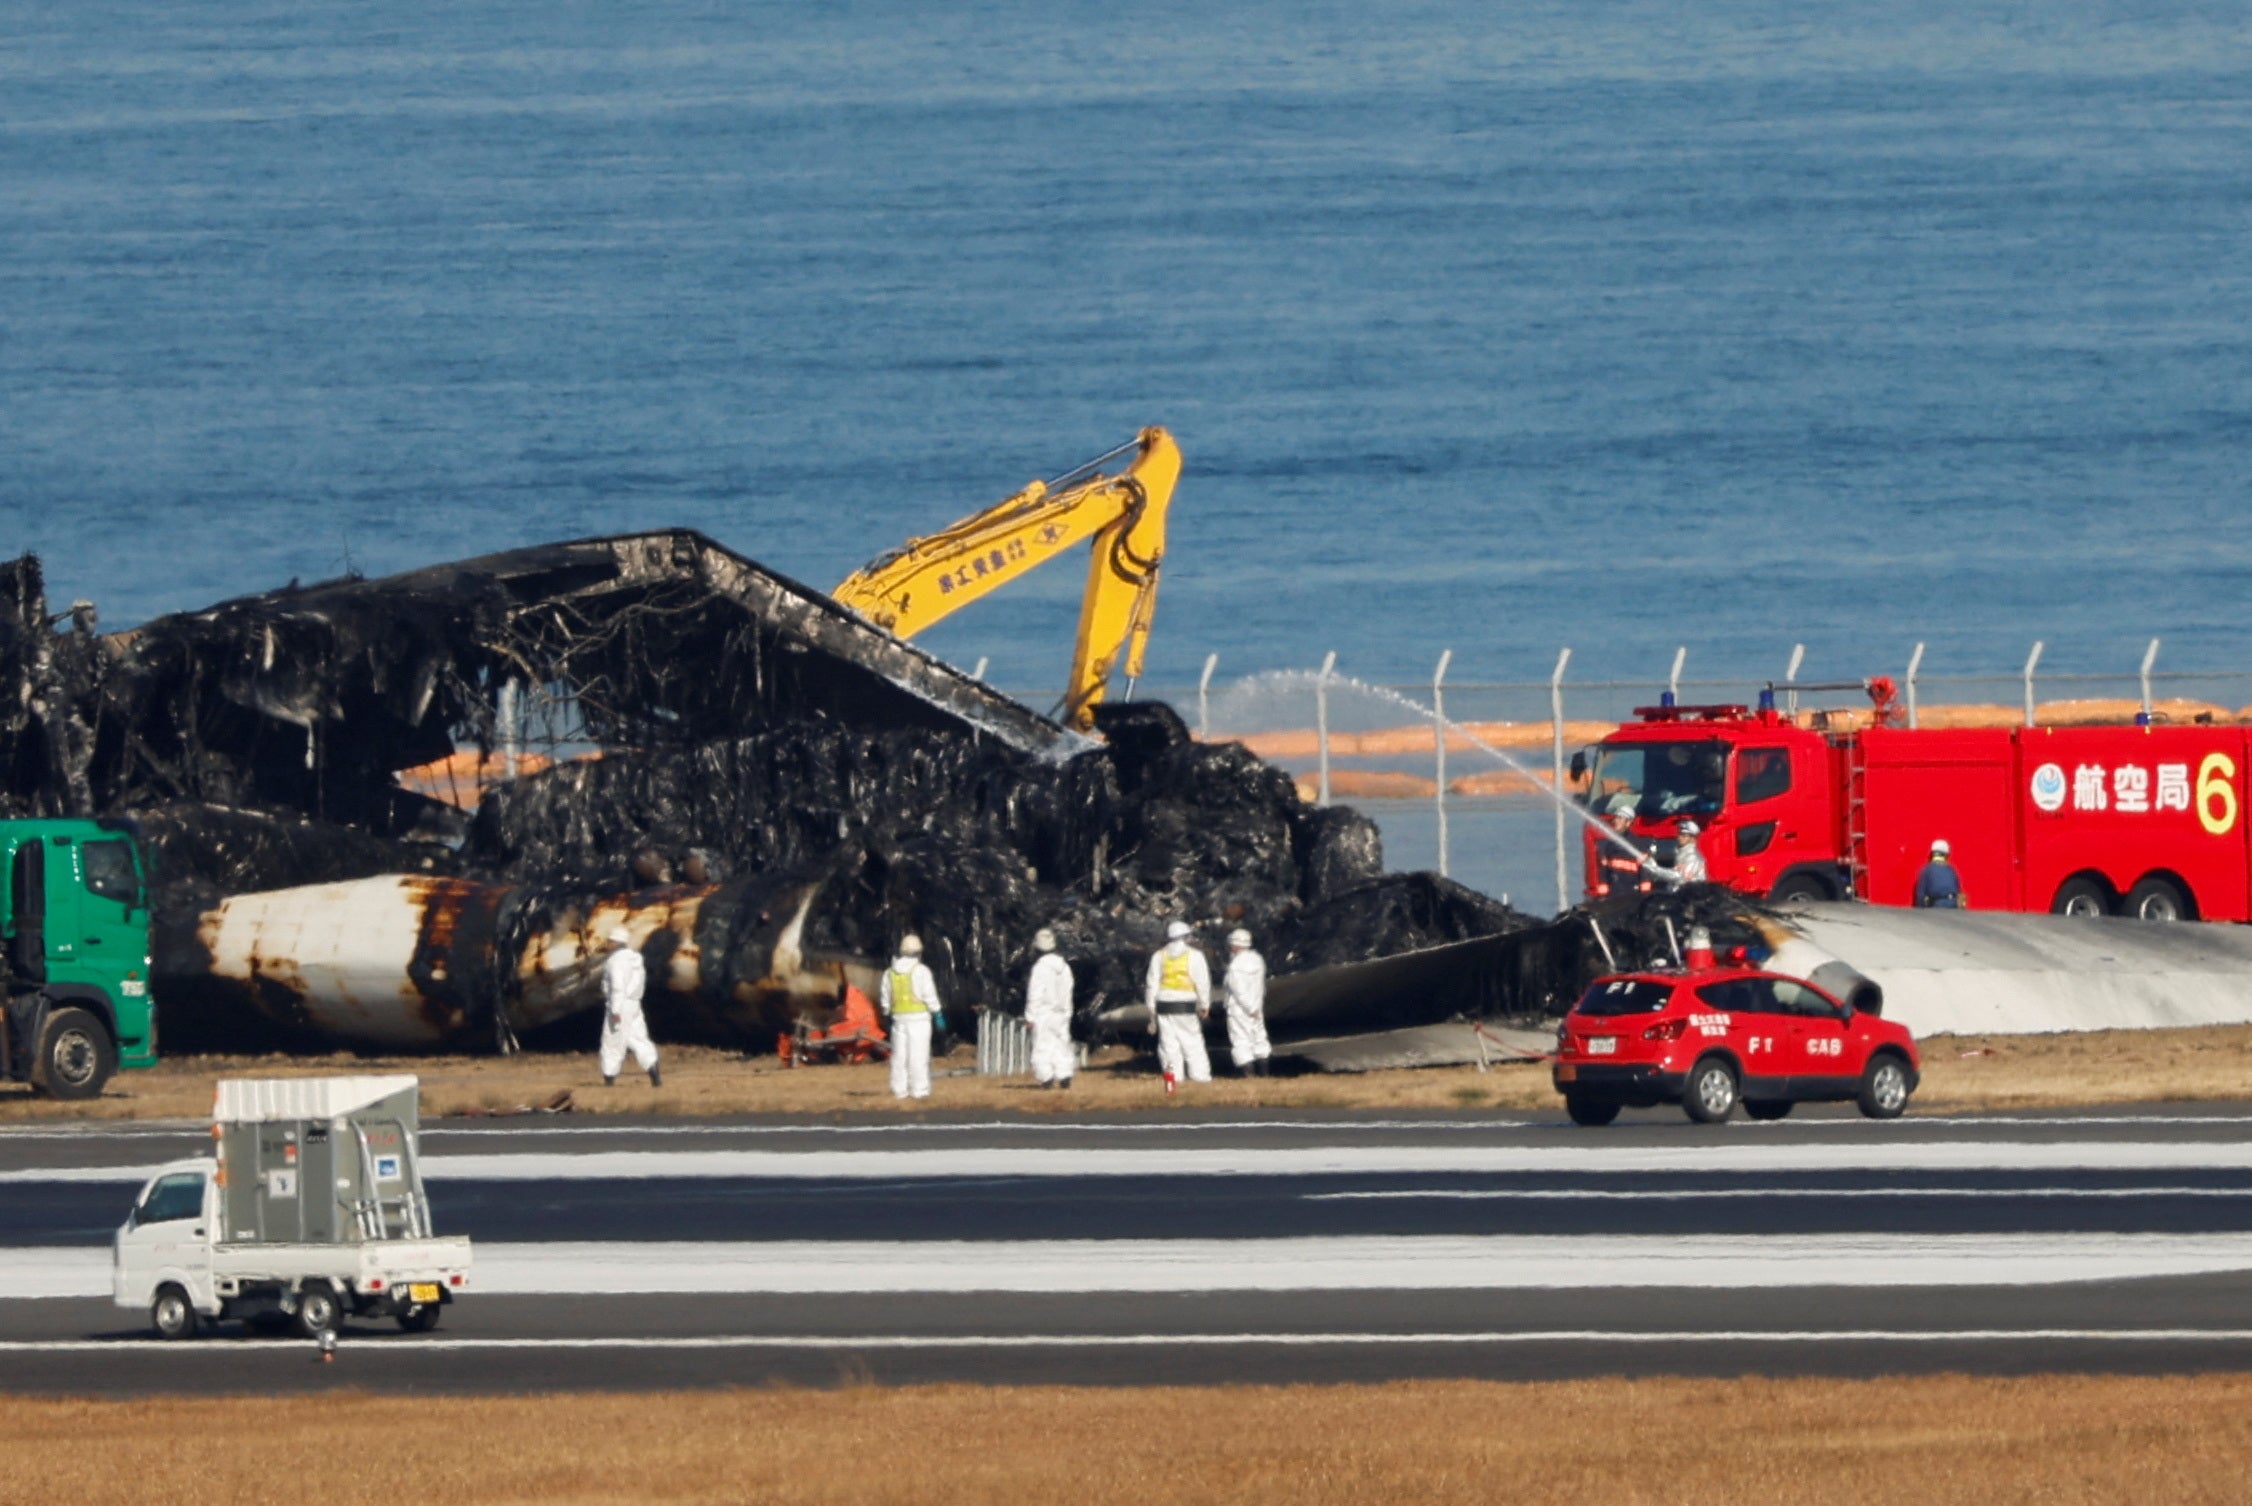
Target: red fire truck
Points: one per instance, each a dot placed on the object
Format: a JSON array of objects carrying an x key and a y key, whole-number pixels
[{"x": 2144, "y": 820}]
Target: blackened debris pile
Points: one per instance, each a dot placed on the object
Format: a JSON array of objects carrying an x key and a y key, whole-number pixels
[
  {"x": 310, "y": 700},
  {"x": 710, "y": 723},
  {"x": 974, "y": 846}
]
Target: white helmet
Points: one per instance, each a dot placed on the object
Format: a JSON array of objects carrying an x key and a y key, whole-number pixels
[
  {"x": 1939, "y": 847},
  {"x": 619, "y": 936},
  {"x": 910, "y": 946},
  {"x": 1043, "y": 940},
  {"x": 1239, "y": 937},
  {"x": 1176, "y": 930},
  {"x": 1690, "y": 828}
]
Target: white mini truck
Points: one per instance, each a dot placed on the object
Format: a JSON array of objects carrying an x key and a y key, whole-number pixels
[{"x": 312, "y": 1210}]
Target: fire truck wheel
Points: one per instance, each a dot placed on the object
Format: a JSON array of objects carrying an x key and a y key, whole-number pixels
[
  {"x": 2159, "y": 899},
  {"x": 75, "y": 1055},
  {"x": 318, "y": 1311},
  {"x": 172, "y": 1315},
  {"x": 1592, "y": 1112},
  {"x": 420, "y": 1318},
  {"x": 1710, "y": 1094},
  {"x": 1802, "y": 888},
  {"x": 2084, "y": 897},
  {"x": 1884, "y": 1087},
  {"x": 1768, "y": 1108}
]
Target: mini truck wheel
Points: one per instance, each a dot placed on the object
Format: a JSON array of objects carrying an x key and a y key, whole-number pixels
[
  {"x": 318, "y": 1311},
  {"x": 1710, "y": 1094},
  {"x": 419, "y": 1317},
  {"x": 172, "y": 1315},
  {"x": 1884, "y": 1087},
  {"x": 75, "y": 1055}
]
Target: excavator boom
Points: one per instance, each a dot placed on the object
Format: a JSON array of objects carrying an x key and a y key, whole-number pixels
[{"x": 1121, "y": 512}]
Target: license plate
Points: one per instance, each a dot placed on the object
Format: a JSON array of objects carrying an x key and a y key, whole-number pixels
[
  {"x": 423, "y": 1291},
  {"x": 1602, "y": 1045}
]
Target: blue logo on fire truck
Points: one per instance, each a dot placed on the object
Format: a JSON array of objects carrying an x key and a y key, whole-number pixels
[{"x": 2049, "y": 786}]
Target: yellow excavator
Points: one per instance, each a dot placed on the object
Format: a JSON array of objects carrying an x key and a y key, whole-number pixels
[{"x": 1122, "y": 510}]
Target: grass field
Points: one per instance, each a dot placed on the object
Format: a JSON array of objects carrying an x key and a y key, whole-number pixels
[
  {"x": 1961, "y": 1073},
  {"x": 2055, "y": 1440}
]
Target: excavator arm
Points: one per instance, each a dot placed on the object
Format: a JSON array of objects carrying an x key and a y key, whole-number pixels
[{"x": 1122, "y": 512}]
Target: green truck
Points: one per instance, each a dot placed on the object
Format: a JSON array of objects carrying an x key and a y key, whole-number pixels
[{"x": 74, "y": 924}]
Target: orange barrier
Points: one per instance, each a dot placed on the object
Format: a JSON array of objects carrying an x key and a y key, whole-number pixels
[{"x": 461, "y": 778}]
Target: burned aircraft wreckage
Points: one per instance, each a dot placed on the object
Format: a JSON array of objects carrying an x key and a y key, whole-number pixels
[{"x": 397, "y": 813}]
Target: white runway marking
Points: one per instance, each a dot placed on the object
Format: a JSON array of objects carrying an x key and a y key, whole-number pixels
[
  {"x": 1739, "y": 1156},
  {"x": 358, "y": 1349},
  {"x": 1322, "y": 1263},
  {"x": 1691, "y": 1194}
]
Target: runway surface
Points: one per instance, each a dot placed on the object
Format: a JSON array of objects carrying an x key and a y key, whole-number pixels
[{"x": 1196, "y": 1249}]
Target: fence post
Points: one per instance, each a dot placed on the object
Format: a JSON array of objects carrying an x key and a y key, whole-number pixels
[
  {"x": 1203, "y": 690},
  {"x": 2031, "y": 660},
  {"x": 1321, "y": 724},
  {"x": 1556, "y": 720},
  {"x": 1790, "y": 676},
  {"x": 511, "y": 733},
  {"x": 1439, "y": 739},
  {"x": 1673, "y": 682},
  {"x": 2150, "y": 657},
  {"x": 1915, "y": 662}
]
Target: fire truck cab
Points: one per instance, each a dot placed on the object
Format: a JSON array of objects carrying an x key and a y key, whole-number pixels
[
  {"x": 1757, "y": 786},
  {"x": 2144, "y": 820}
]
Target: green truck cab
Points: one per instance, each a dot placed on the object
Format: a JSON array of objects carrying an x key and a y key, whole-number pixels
[{"x": 74, "y": 955}]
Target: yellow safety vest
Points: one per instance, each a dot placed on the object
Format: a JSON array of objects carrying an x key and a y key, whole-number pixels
[
  {"x": 903, "y": 1000},
  {"x": 1173, "y": 975}
]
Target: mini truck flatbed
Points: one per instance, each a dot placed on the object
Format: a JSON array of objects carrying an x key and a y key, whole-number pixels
[{"x": 313, "y": 1210}]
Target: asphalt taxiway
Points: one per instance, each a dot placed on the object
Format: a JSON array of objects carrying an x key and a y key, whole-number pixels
[{"x": 1172, "y": 1248}]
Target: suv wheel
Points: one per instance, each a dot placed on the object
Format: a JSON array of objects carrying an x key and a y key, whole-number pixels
[
  {"x": 1589, "y": 1111},
  {"x": 1710, "y": 1095},
  {"x": 1884, "y": 1088}
]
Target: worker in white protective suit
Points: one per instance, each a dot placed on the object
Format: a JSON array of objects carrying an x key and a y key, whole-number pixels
[
  {"x": 1243, "y": 990},
  {"x": 1688, "y": 860},
  {"x": 623, "y": 1028},
  {"x": 1047, "y": 1010},
  {"x": 1179, "y": 996},
  {"x": 910, "y": 1000}
]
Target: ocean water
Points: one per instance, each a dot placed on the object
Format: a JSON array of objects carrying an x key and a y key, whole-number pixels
[{"x": 1733, "y": 323}]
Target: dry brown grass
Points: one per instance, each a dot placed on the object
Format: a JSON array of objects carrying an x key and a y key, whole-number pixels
[
  {"x": 2204, "y": 1063},
  {"x": 2058, "y": 1440},
  {"x": 2013, "y": 1071}
]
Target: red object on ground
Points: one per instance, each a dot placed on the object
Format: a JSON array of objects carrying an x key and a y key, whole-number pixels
[
  {"x": 857, "y": 1035},
  {"x": 2138, "y": 820}
]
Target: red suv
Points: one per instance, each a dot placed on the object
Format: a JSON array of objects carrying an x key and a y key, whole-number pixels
[{"x": 1708, "y": 1038}]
